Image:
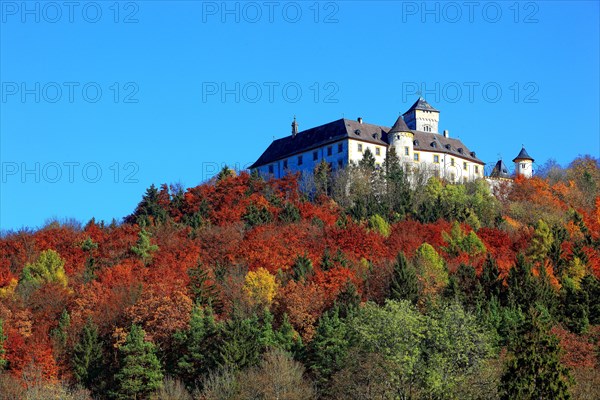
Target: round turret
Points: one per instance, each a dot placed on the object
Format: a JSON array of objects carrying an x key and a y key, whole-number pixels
[{"x": 523, "y": 164}]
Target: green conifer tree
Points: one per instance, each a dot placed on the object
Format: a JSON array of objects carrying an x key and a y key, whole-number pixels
[
  {"x": 199, "y": 352},
  {"x": 3, "y": 362},
  {"x": 143, "y": 248},
  {"x": 534, "y": 371},
  {"x": 405, "y": 284},
  {"x": 326, "y": 353},
  {"x": 87, "y": 357},
  {"x": 140, "y": 372}
]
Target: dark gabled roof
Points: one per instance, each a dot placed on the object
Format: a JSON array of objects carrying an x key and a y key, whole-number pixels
[
  {"x": 500, "y": 170},
  {"x": 428, "y": 141},
  {"x": 350, "y": 129},
  {"x": 421, "y": 104},
  {"x": 319, "y": 136},
  {"x": 523, "y": 156},
  {"x": 399, "y": 126}
]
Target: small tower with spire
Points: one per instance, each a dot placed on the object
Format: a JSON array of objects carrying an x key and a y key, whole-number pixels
[
  {"x": 294, "y": 127},
  {"x": 523, "y": 164},
  {"x": 401, "y": 137}
]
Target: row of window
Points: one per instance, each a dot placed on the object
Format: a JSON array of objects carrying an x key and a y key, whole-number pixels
[
  {"x": 377, "y": 149},
  {"x": 315, "y": 157}
]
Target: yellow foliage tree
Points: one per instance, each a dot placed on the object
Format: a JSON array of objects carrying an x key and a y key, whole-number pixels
[
  {"x": 49, "y": 267},
  {"x": 260, "y": 287}
]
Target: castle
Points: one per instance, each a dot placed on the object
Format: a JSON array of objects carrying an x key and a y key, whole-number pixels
[{"x": 414, "y": 136}]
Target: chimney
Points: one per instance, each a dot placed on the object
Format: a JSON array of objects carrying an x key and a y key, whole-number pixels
[
  {"x": 359, "y": 120},
  {"x": 294, "y": 128},
  {"x": 446, "y": 133}
]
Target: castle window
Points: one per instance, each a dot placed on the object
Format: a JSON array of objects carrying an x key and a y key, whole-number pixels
[
  {"x": 270, "y": 169},
  {"x": 477, "y": 169},
  {"x": 452, "y": 177},
  {"x": 329, "y": 150},
  {"x": 416, "y": 157},
  {"x": 465, "y": 166},
  {"x": 315, "y": 156},
  {"x": 360, "y": 147},
  {"x": 406, "y": 151},
  {"x": 377, "y": 151},
  {"x": 340, "y": 147},
  {"x": 436, "y": 158},
  {"x": 522, "y": 165},
  {"x": 284, "y": 164},
  {"x": 452, "y": 162},
  {"x": 427, "y": 128},
  {"x": 299, "y": 160}
]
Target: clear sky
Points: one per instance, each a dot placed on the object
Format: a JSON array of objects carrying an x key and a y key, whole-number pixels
[{"x": 101, "y": 99}]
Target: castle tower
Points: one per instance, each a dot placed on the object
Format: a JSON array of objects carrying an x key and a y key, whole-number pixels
[
  {"x": 402, "y": 139},
  {"x": 524, "y": 164},
  {"x": 421, "y": 116}
]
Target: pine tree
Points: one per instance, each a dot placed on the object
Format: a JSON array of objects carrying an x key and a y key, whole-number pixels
[
  {"x": 140, "y": 371},
  {"x": 203, "y": 290},
  {"x": 322, "y": 177},
  {"x": 397, "y": 187},
  {"x": 367, "y": 163},
  {"x": 575, "y": 308},
  {"x": 60, "y": 334},
  {"x": 143, "y": 248},
  {"x": 198, "y": 346},
  {"x": 534, "y": 371},
  {"x": 302, "y": 268},
  {"x": 3, "y": 362},
  {"x": 348, "y": 300},
  {"x": 241, "y": 342},
  {"x": 87, "y": 357},
  {"x": 490, "y": 278},
  {"x": 326, "y": 261},
  {"x": 405, "y": 284},
  {"x": 591, "y": 286},
  {"x": 148, "y": 209},
  {"x": 286, "y": 338},
  {"x": 521, "y": 284},
  {"x": 326, "y": 353}
]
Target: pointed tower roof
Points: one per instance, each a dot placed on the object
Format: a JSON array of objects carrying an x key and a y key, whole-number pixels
[
  {"x": 523, "y": 155},
  {"x": 421, "y": 104},
  {"x": 500, "y": 170},
  {"x": 399, "y": 126}
]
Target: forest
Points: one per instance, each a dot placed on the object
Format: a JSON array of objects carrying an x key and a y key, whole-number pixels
[{"x": 352, "y": 284}]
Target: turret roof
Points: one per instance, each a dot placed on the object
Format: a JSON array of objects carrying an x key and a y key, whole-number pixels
[
  {"x": 399, "y": 126},
  {"x": 523, "y": 155}
]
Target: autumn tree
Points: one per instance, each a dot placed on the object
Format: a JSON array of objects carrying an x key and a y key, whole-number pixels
[
  {"x": 49, "y": 267},
  {"x": 431, "y": 270},
  {"x": 541, "y": 242},
  {"x": 260, "y": 288}
]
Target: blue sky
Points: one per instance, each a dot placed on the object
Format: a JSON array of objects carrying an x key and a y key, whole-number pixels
[{"x": 101, "y": 99}]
